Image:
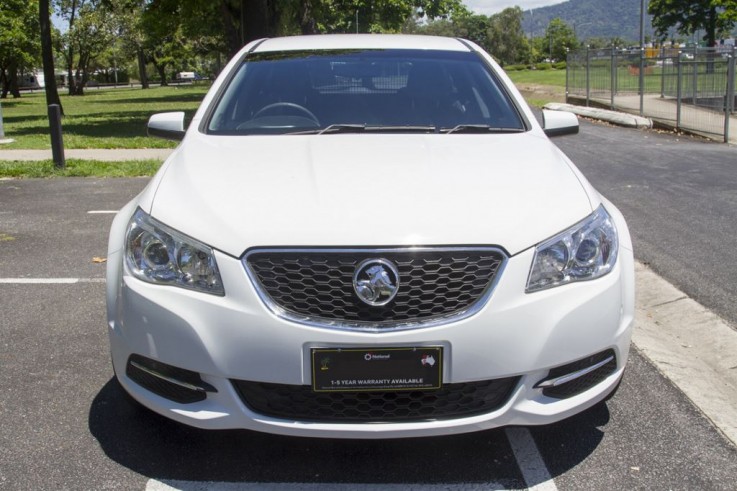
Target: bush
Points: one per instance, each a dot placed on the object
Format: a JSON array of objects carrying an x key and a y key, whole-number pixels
[
  {"x": 515, "y": 68},
  {"x": 561, "y": 65},
  {"x": 543, "y": 66}
]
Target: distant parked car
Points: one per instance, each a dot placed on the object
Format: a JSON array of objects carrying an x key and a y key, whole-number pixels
[
  {"x": 367, "y": 236},
  {"x": 187, "y": 77}
]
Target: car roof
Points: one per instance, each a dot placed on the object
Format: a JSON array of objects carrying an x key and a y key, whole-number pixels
[{"x": 361, "y": 41}]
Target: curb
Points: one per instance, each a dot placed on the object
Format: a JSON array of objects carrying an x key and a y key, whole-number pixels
[
  {"x": 614, "y": 117},
  {"x": 690, "y": 345}
]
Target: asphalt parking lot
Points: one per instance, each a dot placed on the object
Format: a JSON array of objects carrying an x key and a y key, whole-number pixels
[{"x": 68, "y": 425}]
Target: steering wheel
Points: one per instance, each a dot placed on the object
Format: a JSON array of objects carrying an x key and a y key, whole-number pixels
[{"x": 290, "y": 105}]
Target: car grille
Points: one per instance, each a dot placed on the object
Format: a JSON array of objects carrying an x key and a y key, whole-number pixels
[
  {"x": 316, "y": 286},
  {"x": 300, "y": 403}
]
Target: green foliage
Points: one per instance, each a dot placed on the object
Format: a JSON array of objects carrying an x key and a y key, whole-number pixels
[
  {"x": 507, "y": 41},
  {"x": 543, "y": 66},
  {"x": 688, "y": 16},
  {"x": 501, "y": 34},
  {"x": 560, "y": 38},
  {"x": 20, "y": 44}
]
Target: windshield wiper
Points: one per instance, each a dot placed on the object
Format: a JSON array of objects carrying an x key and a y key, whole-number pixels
[
  {"x": 360, "y": 128},
  {"x": 479, "y": 128},
  {"x": 333, "y": 128},
  {"x": 403, "y": 129}
]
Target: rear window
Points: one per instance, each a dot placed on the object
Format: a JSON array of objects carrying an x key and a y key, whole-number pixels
[{"x": 392, "y": 90}]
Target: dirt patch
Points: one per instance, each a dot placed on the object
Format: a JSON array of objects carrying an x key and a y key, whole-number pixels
[{"x": 547, "y": 93}]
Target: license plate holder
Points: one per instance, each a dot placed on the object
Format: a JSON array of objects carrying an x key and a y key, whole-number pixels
[{"x": 377, "y": 369}]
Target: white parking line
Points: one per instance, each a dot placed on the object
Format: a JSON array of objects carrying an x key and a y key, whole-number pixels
[
  {"x": 536, "y": 475},
  {"x": 102, "y": 212},
  {"x": 172, "y": 485},
  {"x": 49, "y": 281}
]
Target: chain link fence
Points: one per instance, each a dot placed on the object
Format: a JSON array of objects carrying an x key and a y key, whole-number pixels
[{"x": 692, "y": 89}]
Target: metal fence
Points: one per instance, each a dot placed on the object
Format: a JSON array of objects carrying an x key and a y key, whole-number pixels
[{"x": 692, "y": 90}]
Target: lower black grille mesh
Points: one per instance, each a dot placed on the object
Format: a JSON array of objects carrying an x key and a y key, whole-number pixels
[
  {"x": 300, "y": 403},
  {"x": 585, "y": 382},
  {"x": 161, "y": 387}
]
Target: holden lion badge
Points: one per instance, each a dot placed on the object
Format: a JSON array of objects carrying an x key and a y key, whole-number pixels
[{"x": 376, "y": 281}]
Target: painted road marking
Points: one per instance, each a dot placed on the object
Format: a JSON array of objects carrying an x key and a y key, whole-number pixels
[
  {"x": 49, "y": 281},
  {"x": 171, "y": 485},
  {"x": 536, "y": 475},
  {"x": 102, "y": 212}
]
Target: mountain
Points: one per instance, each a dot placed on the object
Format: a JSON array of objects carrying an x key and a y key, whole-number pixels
[{"x": 591, "y": 18}]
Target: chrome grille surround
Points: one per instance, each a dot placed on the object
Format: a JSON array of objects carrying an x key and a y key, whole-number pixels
[{"x": 267, "y": 288}]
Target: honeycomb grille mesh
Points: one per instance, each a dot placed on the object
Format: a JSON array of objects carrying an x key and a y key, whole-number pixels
[
  {"x": 300, "y": 403},
  {"x": 432, "y": 283}
]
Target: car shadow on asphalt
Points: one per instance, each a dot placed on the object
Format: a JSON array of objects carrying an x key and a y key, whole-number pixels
[{"x": 161, "y": 449}]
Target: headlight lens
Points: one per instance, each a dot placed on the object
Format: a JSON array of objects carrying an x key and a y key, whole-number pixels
[
  {"x": 586, "y": 251},
  {"x": 157, "y": 254}
]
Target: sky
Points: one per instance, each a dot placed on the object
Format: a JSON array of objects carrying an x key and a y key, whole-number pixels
[{"x": 488, "y": 7}]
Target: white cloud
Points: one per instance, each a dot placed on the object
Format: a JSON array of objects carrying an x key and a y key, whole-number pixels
[{"x": 488, "y": 7}]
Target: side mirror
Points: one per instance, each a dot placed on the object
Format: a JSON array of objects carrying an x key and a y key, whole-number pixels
[
  {"x": 559, "y": 123},
  {"x": 169, "y": 126}
]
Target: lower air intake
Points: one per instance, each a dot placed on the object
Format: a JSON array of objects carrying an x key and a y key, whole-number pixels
[{"x": 300, "y": 403}]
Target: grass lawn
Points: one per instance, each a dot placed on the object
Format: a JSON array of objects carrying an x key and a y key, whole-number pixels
[
  {"x": 106, "y": 118},
  {"x": 79, "y": 168},
  {"x": 539, "y": 77}
]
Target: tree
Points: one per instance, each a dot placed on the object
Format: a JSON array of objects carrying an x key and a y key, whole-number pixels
[
  {"x": 506, "y": 37},
  {"x": 559, "y": 38},
  {"x": 688, "y": 16},
  {"x": 19, "y": 45},
  {"x": 91, "y": 31},
  {"x": 52, "y": 95}
]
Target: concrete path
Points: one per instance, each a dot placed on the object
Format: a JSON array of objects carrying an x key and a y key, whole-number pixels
[
  {"x": 664, "y": 111},
  {"x": 109, "y": 155}
]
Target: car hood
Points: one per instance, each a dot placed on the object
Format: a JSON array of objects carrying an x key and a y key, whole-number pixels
[{"x": 235, "y": 193}]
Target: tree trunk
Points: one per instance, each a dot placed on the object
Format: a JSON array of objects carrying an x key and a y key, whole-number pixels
[
  {"x": 142, "y": 68},
  {"x": 47, "y": 54},
  {"x": 258, "y": 19},
  {"x": 162, "y": 73},
  {"x": 3, "y": 84},
  {"x": 306, "y": 19},
  {"x": 70, "y": 53},
  {"x": 232, "y": 36},
  {"x": 13, "y": 79}
]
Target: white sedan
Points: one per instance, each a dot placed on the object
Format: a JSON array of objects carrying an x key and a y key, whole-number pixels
[{"x": 368, "y": 236}]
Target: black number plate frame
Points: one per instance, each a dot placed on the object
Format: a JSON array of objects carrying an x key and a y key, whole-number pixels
[{"x": 377, "y": 369}]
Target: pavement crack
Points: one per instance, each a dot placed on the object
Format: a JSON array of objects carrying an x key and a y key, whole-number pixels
[{"x": 684, "y": 297}]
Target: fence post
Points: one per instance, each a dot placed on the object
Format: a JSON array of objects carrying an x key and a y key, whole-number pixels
[
  {"x": 588, "y": 78},
  {"x": 695, "y": 80},
  {"x": 679, "y": 87},
  {"x": 642, "y": 80},
  {"x": 57, "y": 143},
  {"x": 568, "y": 64},
  {"x": 729, "y": 100},
  {"x": 2, "y": 130},
  {"x": 613, "y": 76},
  {"x": 662, "y": 72}
]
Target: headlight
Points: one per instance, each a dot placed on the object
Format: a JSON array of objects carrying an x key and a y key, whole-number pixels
[
  {"x": 157, "y": 254},
  {"x": 585, "y": 251}
]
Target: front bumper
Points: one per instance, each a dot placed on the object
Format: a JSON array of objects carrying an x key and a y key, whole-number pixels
[{"x": 237, "y": 338}]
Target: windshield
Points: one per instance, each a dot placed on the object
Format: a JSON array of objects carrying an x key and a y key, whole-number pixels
[{"x": 363, "y": 90}]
